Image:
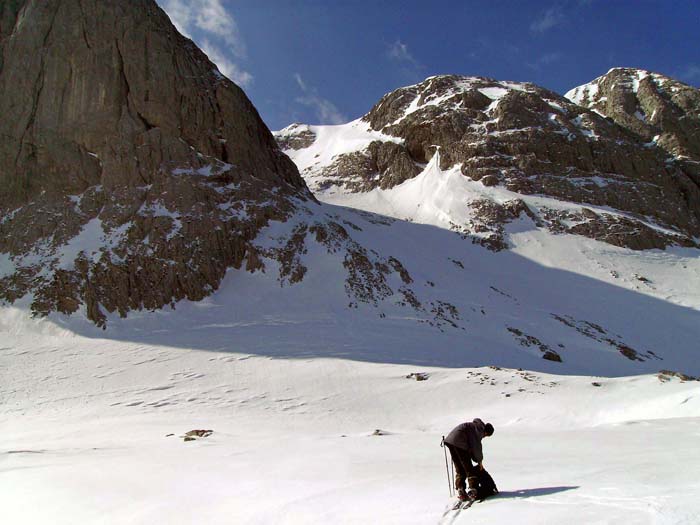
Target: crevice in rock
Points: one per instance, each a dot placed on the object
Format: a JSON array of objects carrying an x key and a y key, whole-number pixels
[
  {"x": 38, "y": 89},
  {"x": 83, "y": 18},
  {"x": 148, "y": 125}
]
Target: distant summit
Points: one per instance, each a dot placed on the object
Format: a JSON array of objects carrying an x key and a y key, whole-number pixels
[
  {"x": 655, "y": 107},
  {"x": 529, "y": 141}
]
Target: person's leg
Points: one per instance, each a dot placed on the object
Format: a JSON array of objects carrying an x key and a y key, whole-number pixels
[
  {"x": 460, "y": 471},
  {"x": 472, "y": 477}
]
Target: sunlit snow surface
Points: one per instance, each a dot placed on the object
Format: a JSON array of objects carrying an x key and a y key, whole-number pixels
[
  {"x": 294, "y": 395},
  {"x": 84, "y": 425},
  {"x": 294, "y": 384}
]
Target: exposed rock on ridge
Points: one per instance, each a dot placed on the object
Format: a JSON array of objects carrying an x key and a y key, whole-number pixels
[
  {"x": 297, "y": 136},
  {"x": 657, "y": 108},
  {"x": 132, "y": 173},
  {"x": 137, "y": 174},
  {"x": 530, "y": 141}
]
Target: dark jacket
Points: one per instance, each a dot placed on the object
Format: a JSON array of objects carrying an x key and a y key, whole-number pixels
[{"x": 468, "y": 436}]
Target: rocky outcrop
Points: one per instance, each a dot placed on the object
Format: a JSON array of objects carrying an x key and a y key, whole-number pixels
[
  {"x": 532, "y": 141},
  {"x": 295, "y": 136},
  {"x": 598, "y": 333},
  {"x": 132, "y": 173},
  {"x": 655, "y": 107},
  {"x": 355, "y": 171},
  {"x": 381, "y": 165},
  {"x": 393, "y": 162}
]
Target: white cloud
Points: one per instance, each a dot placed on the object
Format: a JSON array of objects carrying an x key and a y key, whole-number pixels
[
  {"x": 301, "y": 82},
  {"x": 399, "y": 51},
  {"x": 547, "y": 20},
  {"x": 210, "y": 17},
  {"x": 226, "y": 66},
  {"x": 325, "y": 110},
  {"x": 180, "y": 14},
  {"x": 213, "y": 18}
]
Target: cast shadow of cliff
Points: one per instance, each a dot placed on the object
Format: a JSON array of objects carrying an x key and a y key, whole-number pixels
[{"x": 252, "y": 314}]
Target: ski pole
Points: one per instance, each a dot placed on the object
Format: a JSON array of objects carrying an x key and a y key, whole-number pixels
[{"x": 447, "y": 470}]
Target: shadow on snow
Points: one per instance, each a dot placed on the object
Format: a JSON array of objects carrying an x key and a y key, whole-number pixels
[
  {"x": 253, "y": 314},
  {"x": 533, "y": 493}
]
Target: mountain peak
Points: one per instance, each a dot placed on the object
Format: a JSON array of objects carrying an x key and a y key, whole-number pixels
[
  {"x": 657, "y": 108},
  {"x": 440, "y": 93},
  {"x": 523, "y": 138},
  {"x": 132, "y": 174}
]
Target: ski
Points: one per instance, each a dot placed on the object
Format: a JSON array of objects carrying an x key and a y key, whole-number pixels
[
  {"x": 452, "y": 512},
  {"x": 461, "y": 505}
]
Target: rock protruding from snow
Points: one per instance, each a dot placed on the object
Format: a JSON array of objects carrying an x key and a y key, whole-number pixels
[
  {"x": 132, "y": 173},
  {"x": 295, "y": 136},
  {"x": 659, "y": 109},
  {"x": 519, "y": 137}
]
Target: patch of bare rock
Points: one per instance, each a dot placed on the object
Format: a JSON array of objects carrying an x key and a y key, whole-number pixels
[{"x": 642, "y": 163}]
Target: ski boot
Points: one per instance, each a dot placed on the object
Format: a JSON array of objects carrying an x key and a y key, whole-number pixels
[{"x": 462, "y": 495}]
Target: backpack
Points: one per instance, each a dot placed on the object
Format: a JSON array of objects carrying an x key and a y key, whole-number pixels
[{"x": 486, "y": 486}]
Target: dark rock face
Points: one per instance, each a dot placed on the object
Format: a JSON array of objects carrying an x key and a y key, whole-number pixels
[
  {"x": 381, "y": 165},
  {"x": 393, "y": 162},
  {"x": 654, "y": 107},
  {"x": 354, "y": 171},
  {"x": 535, "y": 142},
  {"x": 295, "y": 136},
  {"x": 111, "y": 79},
  {"x": 132, "y": 173}
]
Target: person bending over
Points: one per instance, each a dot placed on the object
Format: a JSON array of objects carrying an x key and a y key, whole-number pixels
[{"x": 464, "y": 444}]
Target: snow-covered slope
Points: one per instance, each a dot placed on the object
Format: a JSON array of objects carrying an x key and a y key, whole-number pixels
[
  {"x": 346, "y": 283},
  {"x": 295, "y": 386},
  {"x": 598, "y": 180},
  {"x": 331, "y": 142},
  {"x": 448, "y": 200},
  {"x": 92, "y": 433}
]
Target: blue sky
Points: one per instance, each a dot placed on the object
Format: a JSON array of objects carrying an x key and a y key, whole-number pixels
[{"x": 326, "y": 62}]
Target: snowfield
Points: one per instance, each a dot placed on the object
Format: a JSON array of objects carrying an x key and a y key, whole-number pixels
[
  {"x": 84, "y": 424},
  {"x": 295, "y": 395},
  {"x": 316, "y": 418}
]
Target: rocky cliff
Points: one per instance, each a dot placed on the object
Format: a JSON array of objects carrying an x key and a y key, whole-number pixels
[
  {"x": 132, "y": 173},
  {"x": 529, "y": 141},
  {"x": 656, "y": 108}
]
